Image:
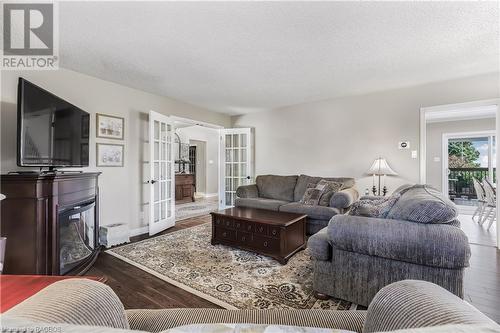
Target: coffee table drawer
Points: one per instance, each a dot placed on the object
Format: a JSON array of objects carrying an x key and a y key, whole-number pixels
[
  {"x": 267, "y": 244},
  {"x": 224, "y": 222},
  {"x": 274, "y": 231},
  {"x": 240, "y": 225},
  {"x": 225, "y": 234},
  {"x": 244, "y": 237},
  {"x": 260, "y": 229}
]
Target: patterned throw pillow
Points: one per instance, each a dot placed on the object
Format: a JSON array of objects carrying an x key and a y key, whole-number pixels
[
  {"x": 329, "y": 189},
  {"x": 311, "y": 196},
  {"x": 374, "y": 207}
]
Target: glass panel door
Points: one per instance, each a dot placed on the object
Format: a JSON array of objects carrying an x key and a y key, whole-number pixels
[
  {"x": 236, "y": 148},
  {"x": 162, "y": 213},
  {"x": 469, "y": 157}
]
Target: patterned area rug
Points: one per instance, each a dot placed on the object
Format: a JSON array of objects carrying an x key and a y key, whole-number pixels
[{"x": 231, "y": 278}]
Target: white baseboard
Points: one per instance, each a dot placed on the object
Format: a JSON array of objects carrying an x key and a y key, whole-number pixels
[
  {"x": 211, "y": 195},
  {"x": 139, "y": 231}
]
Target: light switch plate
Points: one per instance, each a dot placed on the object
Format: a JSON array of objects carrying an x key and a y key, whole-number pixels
[
  {"x": 414, "y": 154},
  {"x": 404, "y": 145},
  {"x": 437, "y": 159}
]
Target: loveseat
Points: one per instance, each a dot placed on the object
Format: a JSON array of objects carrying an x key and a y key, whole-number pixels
[
  {"x": 86, "y": 306},
  {"x": 283, "y": 193},
  {"x": 419, "y": 238}
]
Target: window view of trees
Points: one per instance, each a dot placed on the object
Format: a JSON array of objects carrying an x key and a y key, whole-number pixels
[{"x": 463, "y": 154}]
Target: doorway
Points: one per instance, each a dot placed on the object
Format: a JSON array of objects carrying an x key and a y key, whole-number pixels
[
  {"x": 458, "y": 144},
  {"x": 468, "y": 156}
]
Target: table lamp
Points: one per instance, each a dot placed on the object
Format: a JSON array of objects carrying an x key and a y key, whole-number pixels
[{"x": 379, "y": 168}]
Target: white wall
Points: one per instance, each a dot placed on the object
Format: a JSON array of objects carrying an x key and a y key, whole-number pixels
[
  {"x": 342, "y": 137},
  {"x": 434, "y": 140},
  {"x": 201, "y": 166},
  {"x": 123, "y": 194},
  {"x": 211, "y": 137}
]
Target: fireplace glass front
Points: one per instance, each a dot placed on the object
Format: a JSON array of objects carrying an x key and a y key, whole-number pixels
[{"x": 77, "y": 236}]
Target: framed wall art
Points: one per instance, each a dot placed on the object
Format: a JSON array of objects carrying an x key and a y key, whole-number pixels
[
  {"x": 110, "y": 155},
  {"x": 109, "y": 127}
]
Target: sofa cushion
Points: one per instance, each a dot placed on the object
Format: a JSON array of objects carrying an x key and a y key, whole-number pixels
[
  {"x": 260, "y": 203},
  {"x": 435, "y": 245},
  {"x": 254, "y": 328},
  {"x": 73, "y": 301},
  {"x": 423, "y": 204},
  {"x": 313, "y": 212},
  {"x": 304, "y": 180},
  {"x": 277, "y": 187}
]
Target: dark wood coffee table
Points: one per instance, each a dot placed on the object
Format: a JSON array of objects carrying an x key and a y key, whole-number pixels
[{"x": 275, "y": 234}]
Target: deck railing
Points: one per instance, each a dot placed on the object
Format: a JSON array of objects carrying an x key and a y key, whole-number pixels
[{"x": 460, "y": 182}]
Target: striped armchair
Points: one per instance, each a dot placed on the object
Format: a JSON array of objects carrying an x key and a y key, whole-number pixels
[{"x": 78, "y": 305}]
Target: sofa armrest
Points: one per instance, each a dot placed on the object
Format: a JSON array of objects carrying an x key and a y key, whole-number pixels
[
  {"x": 435, "y": 245},
  {"x": 73, "y": 301},
  {"x": 345, "y": 198},
  {"x": 159, "y": 320},
  {"x": 247, "y": 191},
  {"x": 319, "y": 247},
  {"x": 411, "y": 304}
]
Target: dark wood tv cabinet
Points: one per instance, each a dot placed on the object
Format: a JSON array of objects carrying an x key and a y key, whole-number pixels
[{"x": 32, "y": 216}]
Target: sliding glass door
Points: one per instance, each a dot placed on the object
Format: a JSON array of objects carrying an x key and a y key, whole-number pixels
[{"x": 468, "y": 156}]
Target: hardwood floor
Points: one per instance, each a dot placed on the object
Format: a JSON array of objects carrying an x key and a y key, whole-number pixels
[
  {"x": 138, "y": 289},
  {"x": 482, "y": 278}
]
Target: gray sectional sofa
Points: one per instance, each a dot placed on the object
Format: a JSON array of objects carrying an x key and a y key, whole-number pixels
[
  {"x": 283, "y": 193},
  {"x": 420, "y": 238}
]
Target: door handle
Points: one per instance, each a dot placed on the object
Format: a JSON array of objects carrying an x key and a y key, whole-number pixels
[
  {"x": 152, "y": 181},
  {"x": 248, "y": 177}
]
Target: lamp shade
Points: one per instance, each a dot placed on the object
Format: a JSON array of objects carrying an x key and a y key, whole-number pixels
[{"x": 381, "y": 167}]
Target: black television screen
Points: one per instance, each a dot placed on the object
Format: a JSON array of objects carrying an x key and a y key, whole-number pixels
[{"x": 51, "y": 132}]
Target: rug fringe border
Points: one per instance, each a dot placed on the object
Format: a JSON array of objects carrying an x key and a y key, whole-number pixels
[{"x": 174, "y": 282}]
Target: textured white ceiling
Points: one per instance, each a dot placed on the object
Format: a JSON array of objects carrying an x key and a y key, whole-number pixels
[{"x": 240, "y": 57}]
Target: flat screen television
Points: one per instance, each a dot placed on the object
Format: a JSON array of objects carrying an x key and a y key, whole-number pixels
[{"x": 50, "y": 131}]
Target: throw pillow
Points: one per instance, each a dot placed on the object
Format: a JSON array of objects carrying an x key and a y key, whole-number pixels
[
  {"x": 329, "y": 189},
  {"x": 311, "y": 196},
  {"x": 374, "y": 207}
]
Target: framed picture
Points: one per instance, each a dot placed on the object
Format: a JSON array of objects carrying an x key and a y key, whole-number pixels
[
  {"x": 109, "y": 155},
  {"x": 109, "y": 127}
]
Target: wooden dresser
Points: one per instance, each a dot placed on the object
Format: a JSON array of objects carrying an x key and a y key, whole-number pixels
[{"x": 184, "y": 187}]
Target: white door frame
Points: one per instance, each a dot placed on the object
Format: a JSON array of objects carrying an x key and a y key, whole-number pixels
[
  {"x": 177, "y": 119},
  {"x": 222, "y": 160},
  {"x": 449, "y": 108},
  {"x": 424, "y": 111},
  {"x": 444, "y": 152}
]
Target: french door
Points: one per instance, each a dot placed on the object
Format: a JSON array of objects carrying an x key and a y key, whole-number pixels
[
  {"x": 161, "y": 166},
  {"x": 236, "y": 167}
]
